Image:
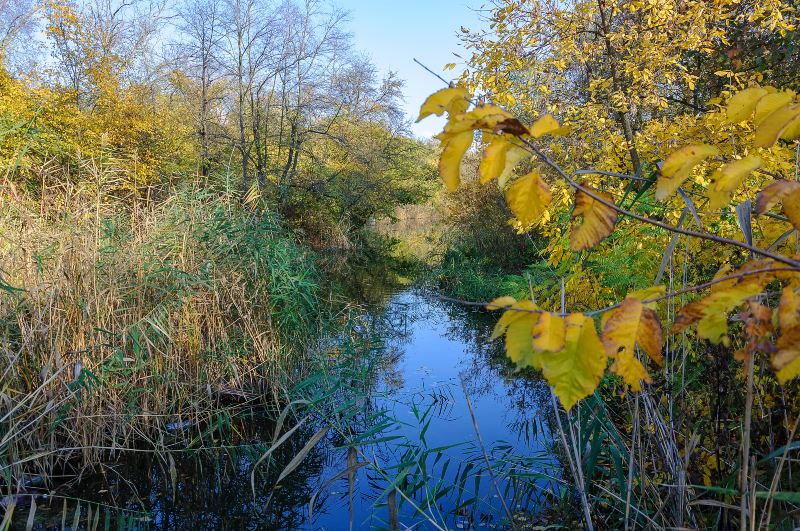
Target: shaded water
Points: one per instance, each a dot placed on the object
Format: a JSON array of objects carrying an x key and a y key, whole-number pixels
[{"x": 391, "y": 404}]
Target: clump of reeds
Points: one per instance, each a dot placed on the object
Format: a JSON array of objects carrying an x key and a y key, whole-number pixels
[{"x": 138, "y": 322}]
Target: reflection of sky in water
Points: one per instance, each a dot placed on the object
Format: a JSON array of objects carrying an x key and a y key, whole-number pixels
[
  {"x": 429, "y": 347},
  {"x": 439, "y": 345}
]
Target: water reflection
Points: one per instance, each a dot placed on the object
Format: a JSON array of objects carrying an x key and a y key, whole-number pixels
[{"x": 390, "y": 411}]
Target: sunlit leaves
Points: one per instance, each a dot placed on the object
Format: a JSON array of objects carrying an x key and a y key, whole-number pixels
[
  {"x": 549, "y": 332},
  {"x": 787, "y": 192},
  {"x": 453, "y": 100},
  {"x": 711, "y": 312},
  {"x": 593, "y": 220},
  {"x": 568, "y": 350},
  {"x": 575, "y": 371},
  {"x": 787, "y": 359},
  {"x": 484, "y": 117},
  {"x": 633, "y": 323},
  {"x": 743, "y": 103},
  {"x": 679, "y": 165},
  {"x": 455, "y": 147},
  {"x": 494, "y": 159},
  {"x": 547, "y": 124},
  {"x": 516, "y": 324},
  {"x": 775, "y": 124},
  {"x": 728, "y": 178},
  {"x": 528, "y": 197},
  {"x": 769, "y": 104}
]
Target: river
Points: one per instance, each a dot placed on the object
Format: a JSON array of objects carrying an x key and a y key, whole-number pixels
[{"x": 392, "y": 417}]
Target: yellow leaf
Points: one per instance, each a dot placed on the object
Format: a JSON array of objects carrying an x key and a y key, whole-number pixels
[
  {"x": 575, "y": 371},
  {"x": 786, "y": 361},
  {"x": 727, "y": 179},
  {"x": 787, "y": 192},
  {"x": 528, "y": 197},
  {"x": 485, "y": 117},
  {"x": 512, "y": 314},
  {"x": 630, "y": 324},
  {"x": 519, "y": 345},
  {"x": 549, "y": 333},
  {"x": 514, "y": 156},
  {"x": 679, "y": 165},
  {"x": 597, "y": 223},
  {"x": 631, "y": 370},
  {"x": 775, "y": 124},
  {"x": 517, "y": 324},
  {"x": 501, "y": 302},
  {"x": 653, "y": 292},
  {"x": 742, "y": 104},
  {"x": 453, "y": 100},
  {"x": 450, "y": 161},
  {"x": 494, "y": 159},
  {"x": 544, "y": 125},
  {"x": 770, "y": 103},
  {"x": 711, "y": 312},
  {"x": 789, "y": 309},
  {"x": 792, "y": 131}
]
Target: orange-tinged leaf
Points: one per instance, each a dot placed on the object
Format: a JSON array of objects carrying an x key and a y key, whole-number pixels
[
  {"x": 711, "y": 312},
  {"x": 773, "y": 194},
  {"x": 575, "y": 371},
  {"x": 786, "y": 361},
  {"x": 728, "y": 178},
  {"x": 452, "y": 155},
  {"x": 770, "y": 103},
  {"x": 528, "y": 197},
  {"x": 775, "y": 124},
  {"x": 545, "y": 125},
  {"x": 598, "y": 220},
  {"x": 453, "y": 100},
  {"x": 630, "y": 324},
  {"x": 549, "y": 333},
  {"x": 679, "y": 165},
  {"x": 743, "y": 103}
]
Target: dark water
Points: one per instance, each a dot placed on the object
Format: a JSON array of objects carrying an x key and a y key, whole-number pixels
[{"x": 395, "y": 407}]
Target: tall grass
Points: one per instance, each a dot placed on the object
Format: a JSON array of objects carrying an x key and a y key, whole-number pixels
[{"x": 129, "y": 323}]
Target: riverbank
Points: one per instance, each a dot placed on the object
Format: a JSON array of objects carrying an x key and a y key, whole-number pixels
[{"x": 384, "y": 419}]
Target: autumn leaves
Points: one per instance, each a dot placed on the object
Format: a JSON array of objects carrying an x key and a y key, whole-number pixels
[{"x": 567, "y": 348}]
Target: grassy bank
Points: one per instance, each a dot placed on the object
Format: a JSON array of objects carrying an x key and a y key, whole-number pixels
[{"x": 145, "y": 323}]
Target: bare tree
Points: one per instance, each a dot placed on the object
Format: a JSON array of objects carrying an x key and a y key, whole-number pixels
[{"x": 201, "y": 26}]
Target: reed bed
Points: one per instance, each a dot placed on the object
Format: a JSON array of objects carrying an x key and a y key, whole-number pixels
[{"x": 138, "y": 323}]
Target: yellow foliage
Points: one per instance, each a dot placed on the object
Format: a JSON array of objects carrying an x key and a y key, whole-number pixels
[
  {"x": 598, "y": 220},
  {"x": 633, "y": 323},
  {"x": 528, "y": 197},
  {"x": 727, "y": 179},
  {"x": 679, "y": 165},
  {"x": 450, "y": 100},
  {"x": 575, "y": 371},
  {"x": 774, "y": 125},
  {"x": 450, "y": 161}
]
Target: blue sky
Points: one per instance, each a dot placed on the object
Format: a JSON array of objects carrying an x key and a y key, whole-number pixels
[{"x": 394, "y": 32}]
